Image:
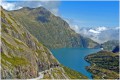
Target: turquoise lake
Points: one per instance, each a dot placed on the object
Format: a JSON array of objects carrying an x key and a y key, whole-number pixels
[{"x": 74, "y": 58}]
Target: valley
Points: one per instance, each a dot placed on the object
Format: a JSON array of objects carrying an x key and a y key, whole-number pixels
[{"x": 37, "y": 43}]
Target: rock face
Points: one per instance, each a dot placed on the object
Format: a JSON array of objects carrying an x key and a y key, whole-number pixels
[
  {"x": 22, "y": 56},
  {"x": 49, "y": 29}
]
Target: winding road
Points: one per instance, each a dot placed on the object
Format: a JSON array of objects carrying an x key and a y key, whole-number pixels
[{"x": 41, "y": 74}]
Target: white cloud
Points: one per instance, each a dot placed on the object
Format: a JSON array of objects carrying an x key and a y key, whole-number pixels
[
  {"x": 117, "y": 28},
  {"x": 98, "y": 30},
  {"x": 93, "y": 31},
  {"x": 76, "y": 28},
  {"x": 101, "y": 29},
  {"x": 98, "y": 34},
  {"x": 73, "y": 26},
  {"x": 101, "y": 34},
  {"x": 50, "y": 5},
  {"x": 8, "y": 6}
]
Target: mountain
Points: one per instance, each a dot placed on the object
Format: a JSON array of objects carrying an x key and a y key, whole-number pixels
[
  {"x": 100, "y": 34},
  {"x": 104, "y": 65},
  {"x": 24, "y": 57},
  {"x": 110, "y": 45},
  {"x": 49, "y": 29}
]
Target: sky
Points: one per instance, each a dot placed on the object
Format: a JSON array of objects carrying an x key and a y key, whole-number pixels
[
  {"x": 91, "y": 13},
  {"x": 77, "y": 13}
]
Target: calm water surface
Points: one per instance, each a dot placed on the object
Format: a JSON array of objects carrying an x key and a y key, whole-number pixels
[{"x": 74, "y": 58}]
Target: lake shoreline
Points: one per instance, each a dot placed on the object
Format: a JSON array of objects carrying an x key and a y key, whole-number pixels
[{"x": 74, "y": 57}]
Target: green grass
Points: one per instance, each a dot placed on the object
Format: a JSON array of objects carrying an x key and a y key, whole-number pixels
[
  {"x": 8, "y": 44},
  {"x": 4, "y": 26},
  {"x": 74, "y": 74},
  {"x": 15, "y": 61},
  {"x": 19, "y": 42}
]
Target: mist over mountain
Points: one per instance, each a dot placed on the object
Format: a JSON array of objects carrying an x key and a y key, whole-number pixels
[
  {"x": 110, "y": 45},
  {"x": 99, "y": 34}
]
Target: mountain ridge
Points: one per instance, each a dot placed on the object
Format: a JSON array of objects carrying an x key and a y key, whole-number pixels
[{"x": 51, "y": 30}]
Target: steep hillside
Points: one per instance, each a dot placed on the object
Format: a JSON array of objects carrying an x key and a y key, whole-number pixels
[
  {"x": 49, "y": 29},
  {"x": 23, "y": 57},
  {"x": 110, "y": 45},
  {"x": 104, "y": 65},
  {"x": 21, "y": 52}
]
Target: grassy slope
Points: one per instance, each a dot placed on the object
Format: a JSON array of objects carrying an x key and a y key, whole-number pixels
[
  {"x": 104, "y": 64},
  {"x": 73, "y": 74}
]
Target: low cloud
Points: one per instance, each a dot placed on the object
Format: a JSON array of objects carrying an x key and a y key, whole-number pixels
[
  {"x": 10, "y": 6},
  {"x": 101, "y": 34},
  {"x": 98, "y": 30},
  {"x": 94, "y": 31},
  {"x": 76, "y": 28},
  {"x": 98, "y": 34},
  {"x": 72, "y": 25}
]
